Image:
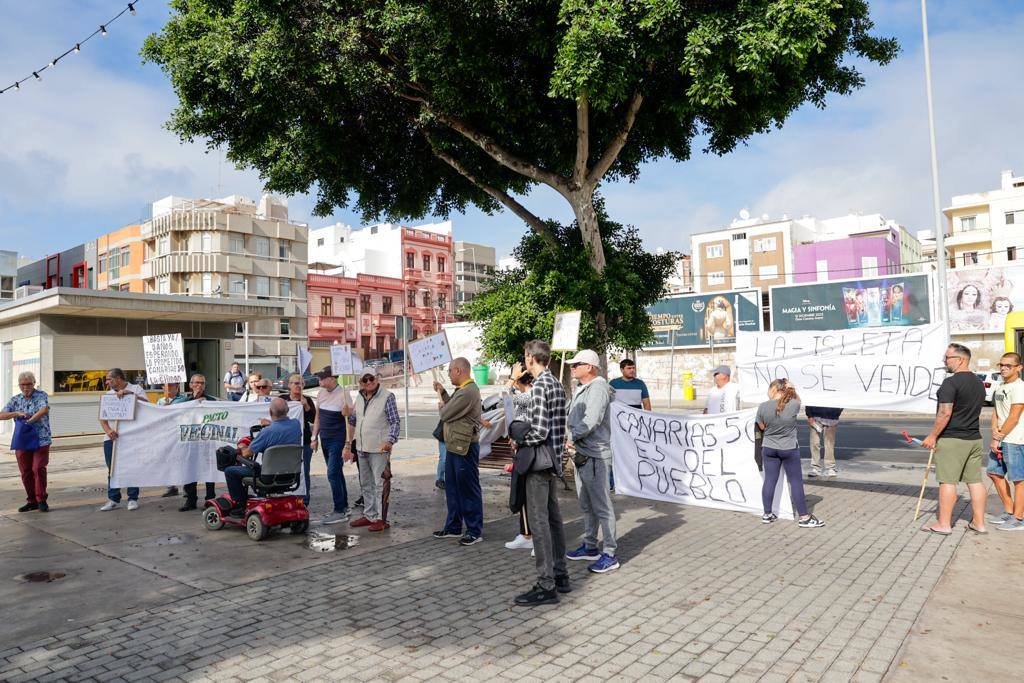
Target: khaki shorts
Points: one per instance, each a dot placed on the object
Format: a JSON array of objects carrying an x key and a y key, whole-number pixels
[{"x": 958, "y": 460}]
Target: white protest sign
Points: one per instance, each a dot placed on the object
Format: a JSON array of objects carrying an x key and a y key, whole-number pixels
[
  {"x": 165, "y": 358},
  {"x": 341, "y": 359},
  {"x": 305, "y": 358},
  {"x": 179, "y": 442},
  {"x": 880, "y": 368},
  {"x": 702, "y": 460},
  {"x": 566, "y": 336},
  {"x": 114, "y": 408},
  {"x": 429, "y": 352}
]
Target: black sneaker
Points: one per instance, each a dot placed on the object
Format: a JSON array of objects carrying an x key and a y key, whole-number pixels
[
  {"x": 28, "y": 507},
  {"x": 187, "y": 505},
  {"x": 170, "y": 492},
  {"x": 439, "y": 484},
  {"x": 562, "y": 584},
  {"x": 359, "y": 503},
  {"x": 470, "y": 540},
  {"x": 447, "y": 534},
  {"x": 536, "y": 596},
  {"x": 769, "y": 518},
  {"x": 811, "y": 522},
  {"x": 44, "y": 506}
]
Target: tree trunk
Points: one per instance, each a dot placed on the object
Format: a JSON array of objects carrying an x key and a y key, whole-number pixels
[{"x": 582, "y": 203}]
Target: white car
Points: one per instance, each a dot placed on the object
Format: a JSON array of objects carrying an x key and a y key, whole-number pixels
[{"x": 991, "y": 380}]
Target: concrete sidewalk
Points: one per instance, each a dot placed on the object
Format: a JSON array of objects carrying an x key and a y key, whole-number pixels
[{"x": 702, "y": 594}]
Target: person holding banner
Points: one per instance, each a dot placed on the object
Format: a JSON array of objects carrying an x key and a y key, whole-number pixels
[
  {"x": 1006, "y": 457},
  {"x": 632, "y": 391},
  {"x": 956, "y": 440},
  {"x": 376, "y": 426},
  {"x": 119, "y": 385},
  {"x": 333, "y": 405},
  {"x": 589, "y": 427},
  {"x": 295, "y": 385},
  {"x": 172, "y": 390},
  {"x": 251, "y": 393},
  {"x": 233, "y": 382},
  {"x": 197, "y": 384},
  {"x": 777, "y": 418},
  {"x": 31, "y": 442}
]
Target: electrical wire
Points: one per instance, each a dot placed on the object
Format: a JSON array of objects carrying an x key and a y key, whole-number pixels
[{"x": 77, "y": 47}]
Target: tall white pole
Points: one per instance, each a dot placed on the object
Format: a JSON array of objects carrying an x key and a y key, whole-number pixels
[
  {"x": 940, "y": 228},
  {"x": 405, "y": 358},
  {"x": 245, "y": 329}
]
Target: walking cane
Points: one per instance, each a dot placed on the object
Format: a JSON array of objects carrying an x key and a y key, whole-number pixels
[{"x": 924, "y": 482}]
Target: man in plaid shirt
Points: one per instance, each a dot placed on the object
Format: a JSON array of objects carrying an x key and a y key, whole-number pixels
[{"x": 547, "y": 427}]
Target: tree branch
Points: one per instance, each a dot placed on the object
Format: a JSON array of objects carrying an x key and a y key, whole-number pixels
[
  {"x": 617, "y": 143},
  {"x": 535, "y": 223},
  {"x": 579, "y": 175}
]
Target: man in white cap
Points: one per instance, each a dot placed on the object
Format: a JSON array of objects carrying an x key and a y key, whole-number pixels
[
  {"x": 589, "y": 426},
  {"x": 375, "y": 426},
  {"x": 724, "y": 397}
]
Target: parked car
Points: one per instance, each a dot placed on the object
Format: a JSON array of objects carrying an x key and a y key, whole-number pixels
[
  {"x": 991, "y": 380},
  {"x": 308, "y": 382}
]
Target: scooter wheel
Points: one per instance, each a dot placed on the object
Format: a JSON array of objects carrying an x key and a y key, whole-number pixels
[
  {"x": 212, "y": 519},
  {"x": 300, "y": 527},
  {"x": 255, "y": 527}
]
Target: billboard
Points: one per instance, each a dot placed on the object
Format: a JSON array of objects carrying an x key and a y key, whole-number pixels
[
  {"x": 980, "y": 298},
  {"x": 889, "y": 301},
  {"x": 695, "y": 320}
]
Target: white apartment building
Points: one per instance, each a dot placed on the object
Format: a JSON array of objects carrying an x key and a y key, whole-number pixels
[
  {"x": 8, "y": 272},
  {"x": 234, "y": 247},
  {"x": 987, "y": 228},
  {"x": 474, "y": 265},
  {"x": 340, "y": 249}
]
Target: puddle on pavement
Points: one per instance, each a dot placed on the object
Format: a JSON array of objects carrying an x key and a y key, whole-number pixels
[
  {"x": 322, "y": 542},
  {"x": 40, "y": 577}
]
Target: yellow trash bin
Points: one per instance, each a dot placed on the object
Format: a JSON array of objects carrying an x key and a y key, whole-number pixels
[{"x": 689, "y": 391}]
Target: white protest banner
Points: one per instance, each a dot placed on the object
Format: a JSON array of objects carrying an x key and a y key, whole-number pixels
[
  {"x": 114, "y": 408},
  {"x": 305, "y": 358},
  {"x": 566, "y": 336},
  {"x": 165, "y": 358},
  {"x": 879, "y": 368},
  {"x": 702, "y": 460},
  {"x": 429, "y": 352},
  {"x": 168, "y": 445},
  {"x": 341, "y": 359}
]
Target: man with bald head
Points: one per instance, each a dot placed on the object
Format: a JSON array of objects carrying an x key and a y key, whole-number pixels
[
  {"x": 460, "y": 416},
  {"x": 281, "y": 430}
]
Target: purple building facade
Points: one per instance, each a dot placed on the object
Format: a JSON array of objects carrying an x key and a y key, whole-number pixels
[{"x": 850, "y": 257}]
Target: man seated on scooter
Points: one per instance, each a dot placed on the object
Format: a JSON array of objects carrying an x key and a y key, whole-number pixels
[{"x": 281, "y": 430}]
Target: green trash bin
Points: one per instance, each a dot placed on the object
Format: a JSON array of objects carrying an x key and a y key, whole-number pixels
[{"x": 480, "y": 374}]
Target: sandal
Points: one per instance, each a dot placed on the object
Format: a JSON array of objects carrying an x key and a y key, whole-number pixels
[
  {"x": 936, "y": 531},
  {"x": 971, "y": 527}
]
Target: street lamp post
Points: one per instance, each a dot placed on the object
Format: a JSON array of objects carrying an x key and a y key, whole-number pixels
[{"x": 940, "y": 229}]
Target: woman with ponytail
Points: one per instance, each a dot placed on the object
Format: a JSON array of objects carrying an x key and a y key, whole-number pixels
[{"x": 777, "y": 418}]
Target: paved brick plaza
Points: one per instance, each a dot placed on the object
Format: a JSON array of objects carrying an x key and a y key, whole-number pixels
[{"x": 701, "y": 594}]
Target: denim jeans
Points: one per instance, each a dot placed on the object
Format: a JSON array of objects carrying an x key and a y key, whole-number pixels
[
  {"x": 307, "y": 459},
  {"x": 115, "y": 494},
  {"x": 462, "y": 493},
  {"x": 235, "y": 397},
  {"x": 234, "y": 475},
  {"x": 442, "y": 453},
  {"x": 335, "y": 476}
]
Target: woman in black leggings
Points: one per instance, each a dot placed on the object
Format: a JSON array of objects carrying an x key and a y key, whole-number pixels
[{"x": 777, "y": 418}]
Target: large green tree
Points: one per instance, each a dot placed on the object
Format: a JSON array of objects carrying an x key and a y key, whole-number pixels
[{"x": 406, "y": 108}]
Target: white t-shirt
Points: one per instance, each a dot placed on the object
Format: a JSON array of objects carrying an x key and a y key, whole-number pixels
[
  {"x": 724, "y": 400},
  {"x": 135, "y": 389},
  {"x": 1005, "y": 396},
  {"x": 334, "y": 400}
]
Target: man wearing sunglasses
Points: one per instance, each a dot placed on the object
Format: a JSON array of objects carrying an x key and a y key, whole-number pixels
[
  {"x": 197, "y": 392},
  {"x": 1006, "y": 454},
  {"x": 374, "y": 425}
]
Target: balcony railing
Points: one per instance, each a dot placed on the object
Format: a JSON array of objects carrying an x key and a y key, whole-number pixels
[
  {"x": 413, "y": 274},
  {"x": 327, "y": 322}
]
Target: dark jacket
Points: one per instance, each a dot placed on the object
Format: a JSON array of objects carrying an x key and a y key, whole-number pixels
[
  {"x": 827, "y": 413},
  {"x": 461, "y": 417}
]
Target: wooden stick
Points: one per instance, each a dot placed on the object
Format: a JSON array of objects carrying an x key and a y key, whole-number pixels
[{"x": 920, "y": 498}]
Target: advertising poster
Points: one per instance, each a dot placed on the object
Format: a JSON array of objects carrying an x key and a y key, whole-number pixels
[
  {"x": 695, "y": 320},
  {"x": 980, "y": 298},
  {"x": 890, "y": 301}
]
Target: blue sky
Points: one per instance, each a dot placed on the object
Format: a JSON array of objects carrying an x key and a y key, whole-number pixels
[{"x": 84, "y": 151}]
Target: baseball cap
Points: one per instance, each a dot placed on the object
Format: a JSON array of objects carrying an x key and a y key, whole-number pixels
[
  {"x": 722, "y": 370},
  {"x": 371, "y": 371},
  {"x": 325, "y": 373},
  {"x": 585, "y": 356}
]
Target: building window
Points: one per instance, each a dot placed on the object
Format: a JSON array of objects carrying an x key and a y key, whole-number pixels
[
  {"x": 320, "y": 242},
  {"x": 282, "y": 250},
  {"x": 236, "y": 244},
  {"x": 1014, "y": 217},
  {"x": 440, "y": 264},
  {"x": 373, "y": 229},
  {"x": 263, "y": 247},
  {"x": 768, "y": 272},
  {"x": 163, "y": 284},
  {"x": 236, "y": 285},
  {"x": 739, "y": 236},
  {"x": 716, "y": 278},
  {"x": 341, "y": 240},
  {"x": 364, "y": 303},
  {"x": 1011, "y": 253},
  {"x": 764, "y": 244},
  {"x": 126, "y": 257},
  {"x": 386, "y": 305},
  {"x": 411, "y": 298},
  {"x": 286, "y": 328},
  {"x": 714, "y": 251},
  {"x": 350, "y": 308},
  {"x": 101, "y": 263},
  {"x": 206, "y": 244},
  {"x": 426, "y": 299},
  {"x": 326, "y": 305},
  {"x": 163, "y": 246},
  {"x": 410, "y": 259},
  {"x": 868, "y": 266},
  {"x": 207, "y": 284},
  {"x": 441, "y": 301},
  {"x": 114, "y": 264},
  {"x": 262, "y": 286},
  {"x": 286, "y": 288},
  {"x": 739, "y": 262},
  {"x": 822, "y": 270},
  {"x": 968, "y": 222},
  {"x": 426, "y": 263},
  {"x": 970, "y": 258}
]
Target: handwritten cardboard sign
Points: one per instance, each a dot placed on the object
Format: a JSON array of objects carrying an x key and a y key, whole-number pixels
[
  {"x": 341, "y": 359},
  {"x": 429, "y": 352},
  {"x": 165, "y": 358},
  {"x": 114, "y": 408},
  {"x": 566, "y": 336}
]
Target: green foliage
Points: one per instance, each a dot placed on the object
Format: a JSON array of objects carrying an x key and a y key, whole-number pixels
[
  {"x": 337, "y": 96},
  {"x": 519, "y": 305}
]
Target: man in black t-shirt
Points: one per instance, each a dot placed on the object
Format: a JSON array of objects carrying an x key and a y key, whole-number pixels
[{"x": 956, "y": 438}]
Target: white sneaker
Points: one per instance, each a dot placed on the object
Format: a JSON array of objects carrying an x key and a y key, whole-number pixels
[
  {"x": 831, "y": 473},
  {"x": 133, "y": 505},
  {"x": 814, "y": 473},
  {"x": 533, "y": 553},
  {"x": 109, "y": 505},
  {"x": 335, "y": 517},
  {"x": 520, "y": 542}
]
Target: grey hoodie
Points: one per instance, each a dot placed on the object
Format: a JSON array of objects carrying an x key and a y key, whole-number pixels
[{"x": 590, "y": 417}]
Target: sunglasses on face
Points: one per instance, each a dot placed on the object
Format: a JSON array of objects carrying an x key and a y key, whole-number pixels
[
  {"x": 262, "y": 386},
  {"x": 1008, "y": 365},
  {"x": 368, "y": 380}
]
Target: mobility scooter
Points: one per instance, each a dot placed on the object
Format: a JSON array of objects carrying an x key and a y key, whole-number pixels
[{"x": 269, "y": 507}]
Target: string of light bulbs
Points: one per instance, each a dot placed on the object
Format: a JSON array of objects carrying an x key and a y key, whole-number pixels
[{"x": 101, "y": 31}]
